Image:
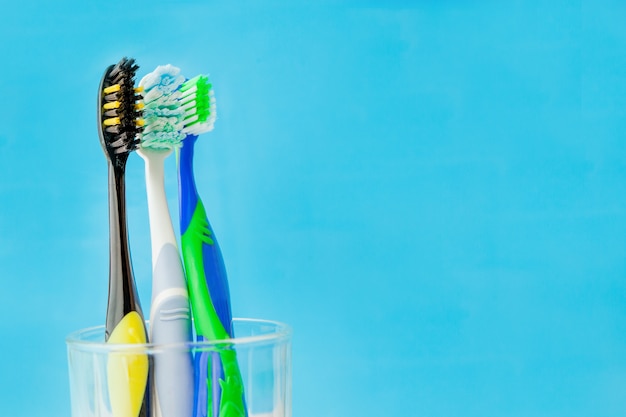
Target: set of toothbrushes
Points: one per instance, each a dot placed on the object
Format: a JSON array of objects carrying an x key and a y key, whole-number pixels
[{"x": 165, "y": 112}]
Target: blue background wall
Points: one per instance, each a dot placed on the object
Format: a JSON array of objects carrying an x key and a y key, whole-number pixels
[{"x": 432, "y": 193}]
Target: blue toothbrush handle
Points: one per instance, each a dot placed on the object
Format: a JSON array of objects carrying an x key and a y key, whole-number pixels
[
  {"x": 218, "y": 385},
  {"x": 212, "y": 260}
]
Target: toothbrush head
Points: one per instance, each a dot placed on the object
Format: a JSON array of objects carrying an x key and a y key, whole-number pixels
[
  {"x": 119, "y": 116},
  {"x": 198, "y": 102},
  {"x": 162, "y": 113}
]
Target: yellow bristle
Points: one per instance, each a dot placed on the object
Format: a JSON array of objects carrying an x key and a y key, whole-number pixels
[
  {"x": 112, "y": 105},
  {"x": 112, "y": 121},
  {"x": 112, "y": 89}
]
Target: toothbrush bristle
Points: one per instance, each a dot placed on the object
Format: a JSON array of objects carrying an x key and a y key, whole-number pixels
[
  {"x": 162, "y": 113},
  {"x": 198, "y": 102},
  {"x": 120, "y": 114}
]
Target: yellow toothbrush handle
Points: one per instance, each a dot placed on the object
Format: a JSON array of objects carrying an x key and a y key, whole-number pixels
[{"x": 127, "y": 372}]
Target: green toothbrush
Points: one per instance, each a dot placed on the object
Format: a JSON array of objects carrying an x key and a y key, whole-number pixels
[{"x": 206, "y": 273}]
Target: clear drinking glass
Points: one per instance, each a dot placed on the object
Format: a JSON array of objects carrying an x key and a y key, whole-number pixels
[{"x": 262, "y": 348}]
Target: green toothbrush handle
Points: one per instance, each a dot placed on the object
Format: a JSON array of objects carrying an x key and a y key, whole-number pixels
[
  {"x": 206, "y": 277},
  {"x": 225, "y": 399}
]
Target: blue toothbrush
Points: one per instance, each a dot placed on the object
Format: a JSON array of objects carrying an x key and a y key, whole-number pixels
[{"x": 206, "y": 274}]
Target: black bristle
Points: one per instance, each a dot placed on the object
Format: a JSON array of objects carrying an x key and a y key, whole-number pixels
[{"x": 120, "y": 139}]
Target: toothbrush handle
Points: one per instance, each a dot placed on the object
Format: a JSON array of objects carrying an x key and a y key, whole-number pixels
[
  {"x": 208, "y": 287},
  {"x": 127, "y": 375},
  {"x": 206, "y": 274},
  {"x": 170, "y": 318},
  {"x": 122, "y": 291},
  {"x": 170, "y": 323}
]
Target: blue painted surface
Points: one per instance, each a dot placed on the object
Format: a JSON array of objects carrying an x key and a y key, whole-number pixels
[{"x": 432, "y": 193}]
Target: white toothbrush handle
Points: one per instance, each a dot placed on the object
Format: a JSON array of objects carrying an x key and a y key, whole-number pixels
[{"x": 170, "y": 316}]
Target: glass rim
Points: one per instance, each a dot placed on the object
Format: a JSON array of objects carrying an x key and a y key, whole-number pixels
[{"x": 77, "y": 341}]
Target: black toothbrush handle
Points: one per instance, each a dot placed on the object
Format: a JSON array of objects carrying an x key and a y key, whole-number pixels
[{"x": 123, "y": 296}]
